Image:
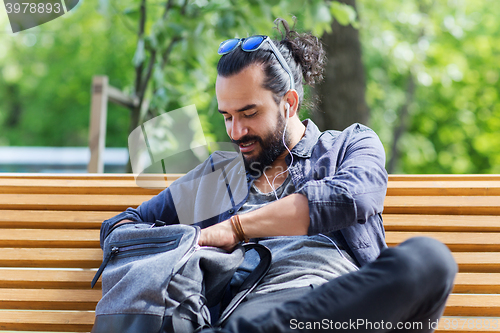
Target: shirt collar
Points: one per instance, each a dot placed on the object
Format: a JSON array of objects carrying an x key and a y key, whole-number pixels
[{"x": 305, "y": 146}]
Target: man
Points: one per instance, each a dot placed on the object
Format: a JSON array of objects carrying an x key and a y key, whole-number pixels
[{"x": 315, "y": 200}]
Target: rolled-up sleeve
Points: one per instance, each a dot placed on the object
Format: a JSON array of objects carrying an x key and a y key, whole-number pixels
[{"x": 351, "y": 181}]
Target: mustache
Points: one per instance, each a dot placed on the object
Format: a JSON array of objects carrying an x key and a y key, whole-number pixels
[{"x": 246, "y": 139}]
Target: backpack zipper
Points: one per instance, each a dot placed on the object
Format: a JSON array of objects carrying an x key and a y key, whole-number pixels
[{"x": 137, "y": 247}]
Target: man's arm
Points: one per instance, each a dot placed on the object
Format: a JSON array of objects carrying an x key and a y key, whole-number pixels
[
  {"x": 353, "y": 189},
  {"x": 160, "y": 207},
  {"x": 286, "y": 217},
  {"x": 347, "y": 193}
]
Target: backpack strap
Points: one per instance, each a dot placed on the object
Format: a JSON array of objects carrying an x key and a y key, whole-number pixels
[{"x": 251, "y": 281}]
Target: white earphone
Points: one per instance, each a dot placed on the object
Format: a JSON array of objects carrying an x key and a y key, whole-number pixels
[{"x": 287, "y": 105}]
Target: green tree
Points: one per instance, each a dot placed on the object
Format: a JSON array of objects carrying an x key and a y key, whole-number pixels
[
  {"x": 45, "y": 77},
  {"x": 163, "y": 53},
  {"x": 342, "y": 93},
  {"x": 433, "y": 83}
]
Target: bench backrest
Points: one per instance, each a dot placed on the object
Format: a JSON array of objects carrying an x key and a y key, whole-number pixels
[{"x": 49, "y": 241}]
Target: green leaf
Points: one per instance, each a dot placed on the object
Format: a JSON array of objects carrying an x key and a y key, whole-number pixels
[
  {"x": 343, "y": 13},
  {"x": 130, "y": 10}
]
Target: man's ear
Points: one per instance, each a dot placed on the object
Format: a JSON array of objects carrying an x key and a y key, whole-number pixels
[{"x": 292, "y": 98}]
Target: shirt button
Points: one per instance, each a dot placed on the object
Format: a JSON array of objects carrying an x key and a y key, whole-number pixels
[{"x": 231, "y": 211}]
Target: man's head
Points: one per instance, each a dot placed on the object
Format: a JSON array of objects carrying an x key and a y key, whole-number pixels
[
  {"x": 253, "y": 90},
  {"x": 253, "y": 119}
]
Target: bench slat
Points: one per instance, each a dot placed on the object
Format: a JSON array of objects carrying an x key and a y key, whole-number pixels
[
  {"x": 456, "y": 241},
  {"x": 128, "y": 176},
  {"x": 472, "y": 305},
  {"x": 75, "y": 186},
  {"x": 79, "y": 176},
  {"x": 49, "y": 299},
  {"x": 478, "y": 262},
  {"x": 55, "y": 321},
  {"x": 463, "y": 223},
  {"x": 471, "y": 205},
  {"x": 443, "y": 188},
  {"x": 53, "y": 219},
  {"x": 461, "y": 324},
  {"x": 474, "y": 262},
  {"x": 64, "y": 321},
  {"x": 54, "y": 176},
  {"x": 52, "y": 279},
  {"x": 442, "y": 177},
  {"x": 449, "y": 205},
  {"x": 78, "y": 202},
  {"x": 63, "y": 299},
  {"x": 49, "y": 238},
  {"x": 129, "y": 186},
  {"x": 50, "y": 258},
  {"x": 477, "y": 283}
]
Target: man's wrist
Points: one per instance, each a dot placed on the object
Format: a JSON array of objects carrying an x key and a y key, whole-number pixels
[
  {"x": 122, "y": 222},
  {"x": 238, "y": 229}
]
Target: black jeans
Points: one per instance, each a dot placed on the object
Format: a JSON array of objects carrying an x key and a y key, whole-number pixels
[{"x": 405, "y": 289}]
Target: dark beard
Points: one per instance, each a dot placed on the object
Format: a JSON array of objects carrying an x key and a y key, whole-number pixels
[{"x": 272, "y": 147}]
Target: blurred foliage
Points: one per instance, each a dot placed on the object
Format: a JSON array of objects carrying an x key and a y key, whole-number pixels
[
  {"x": 449, "y": 47},
  {"x": 46, "y": 72}
]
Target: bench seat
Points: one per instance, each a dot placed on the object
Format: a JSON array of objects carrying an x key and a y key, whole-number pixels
[{"x": 49, "y": 242}]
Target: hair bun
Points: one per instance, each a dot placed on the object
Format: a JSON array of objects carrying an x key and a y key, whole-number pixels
[{"x": 307, "y": 51}]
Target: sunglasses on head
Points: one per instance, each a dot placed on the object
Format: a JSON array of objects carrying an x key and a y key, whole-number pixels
[{"x": 253, "y": 43}]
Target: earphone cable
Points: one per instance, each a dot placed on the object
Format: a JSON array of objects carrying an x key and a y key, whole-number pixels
[{"x": 291, "y": 155}]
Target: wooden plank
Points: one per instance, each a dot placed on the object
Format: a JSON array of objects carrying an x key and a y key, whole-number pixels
[
  {"x": 98, "y": 120},
  {"x": 55, "y": 321},
  {"x": 468, "y": 324},
  {"x": 443, "y": 188},
  {"x": 472, "y": 305},
  {"x": 456, "y": 241},
  {"x": 77, "y": 202},
  {"x": 49, "y": 299},
  {"x": 116, "y": 185},
  {"x": 438, "y": 177},
  {"x": 443, "y": 205},
  {"x": 392, "y": 177},
  {"x": 74, "y": 186},
  {"x": 450, "y": 223},
  {"x": 477, "y": 283},
  {"x": 91, "y": 258},
  {"x": 50, "y": 258},
  {"x": 51, "y": 219},
  {"x": 52, "y": 279},
  {"x": 129, "y": 186},
  {"x": 88, "y": 176},
  {"x": 457, "y": 305},
  {"x": 478, "y": 262},
  {"x": 99, "y": 176},
  {"x": 49, "y": 238}
]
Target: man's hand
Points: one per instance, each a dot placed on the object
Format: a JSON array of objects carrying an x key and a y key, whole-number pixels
[
  {"x": 219, "y": 235},
  {"x": 286, "y": 217}
]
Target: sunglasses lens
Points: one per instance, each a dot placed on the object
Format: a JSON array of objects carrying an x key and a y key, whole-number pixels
[
  {"x": 252, "y": 43},
  {"x": 228, "y": 45}
]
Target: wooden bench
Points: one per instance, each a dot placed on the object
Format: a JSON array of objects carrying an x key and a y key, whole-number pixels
[{"x": 49, "y": 243}]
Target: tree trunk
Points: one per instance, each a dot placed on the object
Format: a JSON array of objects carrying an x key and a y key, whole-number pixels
[
  {"x": 402, "y": 125},
  {"x": 342, "y": 93}
]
